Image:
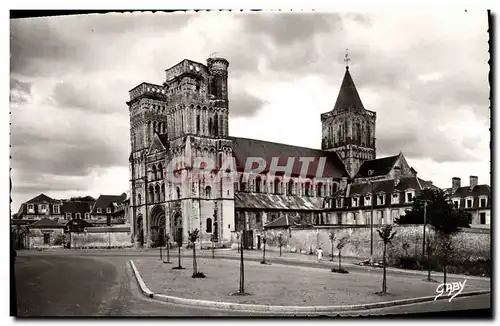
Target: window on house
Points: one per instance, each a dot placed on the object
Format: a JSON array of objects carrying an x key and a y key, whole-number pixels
[
  {"x": 409, "y": 197},
  {"x": 395, "y": 198},
  {"x": 78, "y": 215},
  {"x": 258, "y": 218},
  {"x": 355, "y": 201},
  {"x": 469, "y": 203},
  {"x": 46, "y": 238},
  {"x": 31, "y": 207},
  {"x": 257, "y": 184},
  {"x": 395, "y": 214},
  {"x": 68, "y": 216},
  {"x": 108, "y": 210},
  {"x": 56, "y": 209},
  {"x": 380, "y": 217},
  {"x": 339, "y": 218},
  {"x": 367, "y": 201},
  {"x": 208, "y": 192},
  {"x": 380, "y": 199},
  {"x": 339, "y": 203},
  {"x": 87, "y": 216},
  {"x": 355, "y": 217},
  {"x": 367, "y": 217},
  {"x": 455, "y": 203},
  {"x": 99, "y": 211},
  {"x": 483, "y": 202},
  {"x": 209, "y": 225},
  {"x": 482, "y": 218}
]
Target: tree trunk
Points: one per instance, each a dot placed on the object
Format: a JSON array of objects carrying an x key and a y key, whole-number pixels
[
  {"x": 168, "y": 252},
  {"x": 444, "y": 267},
  {"x": 340, "y": 259},
  {"x": 264, "y": 253},
  {"x": 180, "y": 257},
  {"x": 194, "y": 259},
  {"x": 280, "y": 248},
  {"x": 161, "y": 257},
  {"x": 332, "y": 252},
  {"x": 213, "y": 250},
  {"x": 384, "y": 280},
  {"x": 242, "y": 273}
]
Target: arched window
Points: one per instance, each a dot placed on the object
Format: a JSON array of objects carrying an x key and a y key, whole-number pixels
[
  {"x": 257, "y": 184},
  {"x": 216, "y": 125},
  {"x": 162, "y": 192},
  {"x": 319, "y": 189},
  {"x": 138, "y": 199},
  {"x": 307, "y": 189},
  {"x": 157, "y": 194},
  {"x": 160, "y": 171},
  {"x": 290, "y": 188},
  {"x": 163, "y": 127},
  {"x": 197, "y": 123},
  {"x": 334, "y": 188},
  {"x": 153, "y": 173},
  {"x": 258, "y": 218},
  {"x": 210, "y": 126},
  {"x": 209, "y": 225},
  {"x": 178, "y": 193},
  {"x": 151, "y": 194},
  {"x": 277, "y": 186},
  {"x": 243, "y": 184},
  {"x": 208, "y": 192}
]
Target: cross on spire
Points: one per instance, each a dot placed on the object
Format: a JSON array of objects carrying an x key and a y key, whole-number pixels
[{"x": 346, "y": 58}]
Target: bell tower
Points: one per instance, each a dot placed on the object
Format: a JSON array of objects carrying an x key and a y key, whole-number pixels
[{"x": 349, "y": 129}]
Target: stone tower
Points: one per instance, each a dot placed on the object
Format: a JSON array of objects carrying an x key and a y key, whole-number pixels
[
  {"x": 181, "y": 122},
  {"x": 349, "y": 129}
]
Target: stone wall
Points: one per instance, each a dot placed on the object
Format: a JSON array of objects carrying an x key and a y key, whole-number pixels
[
  {"x": 470, "y": 243},
  {"x": 101, "y": 240},
  {"x": 37, "y": 236}
]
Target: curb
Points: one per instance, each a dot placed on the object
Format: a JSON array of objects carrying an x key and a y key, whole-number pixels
[
  {"x": 142, "y": 285},
  {"x": 285, "y": 309}
]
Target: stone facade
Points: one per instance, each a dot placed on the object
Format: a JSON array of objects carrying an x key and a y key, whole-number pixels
[{"x": 184, "y": 117}]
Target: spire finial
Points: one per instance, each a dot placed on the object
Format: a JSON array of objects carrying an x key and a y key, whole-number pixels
[{"x": 346, "y": 58}]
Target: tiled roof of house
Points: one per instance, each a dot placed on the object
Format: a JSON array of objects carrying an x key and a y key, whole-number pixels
[
  {"x": 46, "y": 223},
  {"x": 348, "y": 94},
  {"x": 42, "y": 198},
  {"x": 380, "y": 166},
  {"x": 272, "y": 201},
  {"x": 387, "y": 186},
  {"x": 76, "y": 207},
  {"x": 105, "y": 201},
  {"x": 478, "y": 190},
  {"x": 244, "y": 148}
]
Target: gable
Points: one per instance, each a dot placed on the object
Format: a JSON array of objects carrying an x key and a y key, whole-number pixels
[{"x": 156, "y": 145}]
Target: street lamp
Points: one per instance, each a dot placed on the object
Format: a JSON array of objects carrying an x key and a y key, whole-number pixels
[
  {"x": 370, "y": 172},
  {"x": 425, "y": 225},
  {"x": 280, "y": 241}
]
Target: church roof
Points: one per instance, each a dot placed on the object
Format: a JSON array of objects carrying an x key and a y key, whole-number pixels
[
  {"x": 271, "y": 201},
  {"x": 348, "y": 94},
  {"x": 243, "y": 148},
  {"x": 380, "y": 166},
  {"x": 278, "y": 223}
]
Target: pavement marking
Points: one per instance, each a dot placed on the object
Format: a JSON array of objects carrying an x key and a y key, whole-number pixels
[{"x": 283, "y": 309}]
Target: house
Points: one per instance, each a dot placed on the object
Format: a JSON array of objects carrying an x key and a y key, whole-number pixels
[
  {"x": 121, "y": 211},
  {"x": 45, "y": 233},
  {"x": 474, "y": 198},
  {"x": 77, "y": 210},
  {"x": 105, "y": 205},
  {"x": 42, "y": 206}
]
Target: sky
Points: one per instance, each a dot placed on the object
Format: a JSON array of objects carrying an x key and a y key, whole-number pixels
[{"x": 425, "y": 73}]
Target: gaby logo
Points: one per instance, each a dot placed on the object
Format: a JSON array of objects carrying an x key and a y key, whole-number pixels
[{"x": 450, "y": 288}]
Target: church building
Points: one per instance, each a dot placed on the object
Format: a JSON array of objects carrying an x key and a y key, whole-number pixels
[{"x": 187, "y": 116}]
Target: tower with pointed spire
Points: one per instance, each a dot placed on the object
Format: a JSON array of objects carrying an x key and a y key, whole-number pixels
[{"x": 349, "y": 129}]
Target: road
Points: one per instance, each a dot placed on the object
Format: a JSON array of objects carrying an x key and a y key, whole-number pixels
[{"x": 101, "y": 285}]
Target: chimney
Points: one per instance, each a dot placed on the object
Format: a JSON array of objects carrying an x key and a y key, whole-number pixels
[
  {"x": 455, "y": 184},
  {"x": 397, "y": 175},
  {"x": 472, "y": 181}
]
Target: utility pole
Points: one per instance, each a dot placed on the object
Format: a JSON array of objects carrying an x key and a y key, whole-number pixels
[
  {"x": 371, "y": 223},
  {"x": 425, "y": 226}
]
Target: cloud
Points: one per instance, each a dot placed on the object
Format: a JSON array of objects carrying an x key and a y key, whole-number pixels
[
  {"x": 244, "y": 104},
  {"x": 20, "y": 92}
]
